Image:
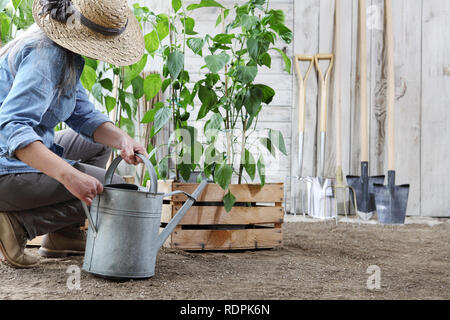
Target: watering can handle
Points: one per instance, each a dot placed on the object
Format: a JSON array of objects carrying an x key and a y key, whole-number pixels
[{"x": 151, "y": 170}]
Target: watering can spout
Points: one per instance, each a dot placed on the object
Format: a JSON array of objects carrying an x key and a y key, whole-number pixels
[{"x": 162, "y": 237}]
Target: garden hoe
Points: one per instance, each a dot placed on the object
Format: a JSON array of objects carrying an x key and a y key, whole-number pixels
[
  {"x": 339, "y": 184},
  {"x": 321, "y": 199},
  {"x": 297, "y": 192},
  {"x": 391, "y": 200},
  {"x": 363, "y": 185}
]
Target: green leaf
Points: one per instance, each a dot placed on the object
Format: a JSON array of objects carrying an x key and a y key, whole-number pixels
[
  {"x": 162, "y": 27},
  {"x": 127, "y": 125},
  {"x": 226, "y": 12},
  {"x": 249, "y": 164},
  {"x": 97, "y": 92},
  {"x": 204, "y": 4},
  {"x": 223, "y": 175},
  {"x": 176, "y": 5},
  {"x": 107, "y": 84},
  {"x": 228, "y": 201},
  {"x": 215, "y": 63},
  {"x": 152, "y": 85},
  {"x": 88, "y": 77},
  {"x": 175, "y": 63},
  {"x": 91, "y": 63},
  {"x": 261, "y": 170},
  {"x": 253, "y": 100},
  {"x": 266, "y": 142},
  {"x": 150, "y": 115},
  {"x": 133, "y": 71},
  {"x": 188, "y": 26},
  {"x": 265, "y": 60},
  {"x": 196, "y": 45},
  {"x": 138, "y": 87},
  {"x": 268, "y": 93},
  {"x": 110, "y": 103},
  {"x": 277, "y": 139},
  {"x": 246, "y": 74},
  {"x": 151, "y": 42},
  {"x": 248, "y": 22},
  {"x": 257, "y": 47},
  {"x": 162, "y": 117},
  {"x": 224, "y": 38},
  {"x": 287, "y": 61},
  {"x": 163, "y": 168}
]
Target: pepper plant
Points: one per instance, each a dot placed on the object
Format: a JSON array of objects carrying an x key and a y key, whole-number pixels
[{"x": 229, "y": 92}]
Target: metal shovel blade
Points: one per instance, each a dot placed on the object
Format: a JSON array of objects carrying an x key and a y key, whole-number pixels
[
  {"x": 391, "y": 201},
  {"x": 321, "y": 202},
  {"x": 363, "y": 187}
]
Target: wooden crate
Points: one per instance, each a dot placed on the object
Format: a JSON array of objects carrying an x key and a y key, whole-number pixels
[{"x": 255, "y": 223}]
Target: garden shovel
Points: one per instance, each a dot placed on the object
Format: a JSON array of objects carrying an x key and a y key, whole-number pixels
[
  {"x": 321, "y": 200},
  {"x": 297, "y": 193},
  {"x": 339, "y": 184},
  {"x": 391, "y": 200},
  {"x": 363, "y": 185}
]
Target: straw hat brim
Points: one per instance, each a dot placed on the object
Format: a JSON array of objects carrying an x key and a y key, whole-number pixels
[{"x": 125, "y": 49}]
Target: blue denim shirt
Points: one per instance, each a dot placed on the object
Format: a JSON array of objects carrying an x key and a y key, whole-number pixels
[{"x": 30, "y": 107}]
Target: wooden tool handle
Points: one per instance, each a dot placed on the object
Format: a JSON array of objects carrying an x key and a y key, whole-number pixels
[
  {"x": 390, "y": 85},
  {"x": 364, "y": 114},
  {"x": 337, "y": 83},
  {"x": 302, "y": 88},
  {"x": 323, "y": 79}
]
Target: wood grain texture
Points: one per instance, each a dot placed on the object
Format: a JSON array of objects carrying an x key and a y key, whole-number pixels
[
  {"x": 435, "y": 109},
  {"x": 215, "y": 215},
  {"x": 270, "y": 193},
  {"x": 227, "y": 239}
]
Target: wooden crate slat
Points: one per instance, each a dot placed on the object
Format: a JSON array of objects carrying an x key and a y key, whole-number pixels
[
  {"x": 273, "y": 192},
  {"x": 208, "y": 215},
  {"x": 227, "y": 239}
]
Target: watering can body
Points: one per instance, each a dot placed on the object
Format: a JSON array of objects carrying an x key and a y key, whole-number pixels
[{"x": 124, "y": 223}]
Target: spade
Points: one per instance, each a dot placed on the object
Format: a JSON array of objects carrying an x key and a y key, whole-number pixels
[
  {"x": 363, "y": 185},
  {"x": 391, "y": 200}
]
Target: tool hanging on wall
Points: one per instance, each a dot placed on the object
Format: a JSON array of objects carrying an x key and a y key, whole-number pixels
[
  {"x": 339, "y": 186},
  {"x": 299, "y": 182},
  {"x": 391, "y": 200},
  {"x": 363, "y": 185}
]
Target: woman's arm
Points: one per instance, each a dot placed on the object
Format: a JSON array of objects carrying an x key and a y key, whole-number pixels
[
  {"x": 108, "y": 134},
  {"x": 81, "y": 185}
]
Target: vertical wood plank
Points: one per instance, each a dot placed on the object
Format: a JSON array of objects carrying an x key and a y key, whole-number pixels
[
  {"x": 408, "y": 57},
  {"x": 435, "y": 108}
]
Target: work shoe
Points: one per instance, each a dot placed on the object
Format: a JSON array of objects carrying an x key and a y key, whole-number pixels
[
  {"x": 13, "y": 240},
  {"x": 62, "y": 243}
]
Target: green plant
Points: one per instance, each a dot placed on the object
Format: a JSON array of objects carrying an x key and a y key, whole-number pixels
[
  {"x": 233, "y": 99},
  {"x": 15, "y": 15}
]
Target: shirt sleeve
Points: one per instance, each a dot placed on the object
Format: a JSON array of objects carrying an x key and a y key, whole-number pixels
[
  {"x": 85, "y": 119},
  {"x": 28, "y": 99}
]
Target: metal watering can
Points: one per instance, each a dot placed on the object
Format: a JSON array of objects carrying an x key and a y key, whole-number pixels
[{"x": 124, "y": 222}]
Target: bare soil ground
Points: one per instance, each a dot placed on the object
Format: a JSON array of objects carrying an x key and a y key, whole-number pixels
[{"x": 318, "y": 261}]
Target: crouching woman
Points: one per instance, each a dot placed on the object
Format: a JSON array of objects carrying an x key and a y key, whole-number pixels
[{"x": 43, "y": 175}]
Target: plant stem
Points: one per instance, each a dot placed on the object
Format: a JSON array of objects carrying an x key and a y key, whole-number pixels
[{"x": 244, "y": 141}]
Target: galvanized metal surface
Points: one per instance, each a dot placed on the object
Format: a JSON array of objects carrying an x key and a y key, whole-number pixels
[{"x": 123, "y": 238}]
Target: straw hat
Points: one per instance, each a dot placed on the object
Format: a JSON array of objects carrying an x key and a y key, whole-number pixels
[{"x": 106, "y": 30}]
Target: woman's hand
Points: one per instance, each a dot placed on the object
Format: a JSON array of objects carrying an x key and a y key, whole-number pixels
[
  {"x": 82, "y": 186},
  {"x": 110, "y": 135},
  {"x": 128, "y": 149}
]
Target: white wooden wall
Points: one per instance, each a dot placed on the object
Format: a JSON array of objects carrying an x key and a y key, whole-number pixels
[{"x": 422, "y": 55}]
